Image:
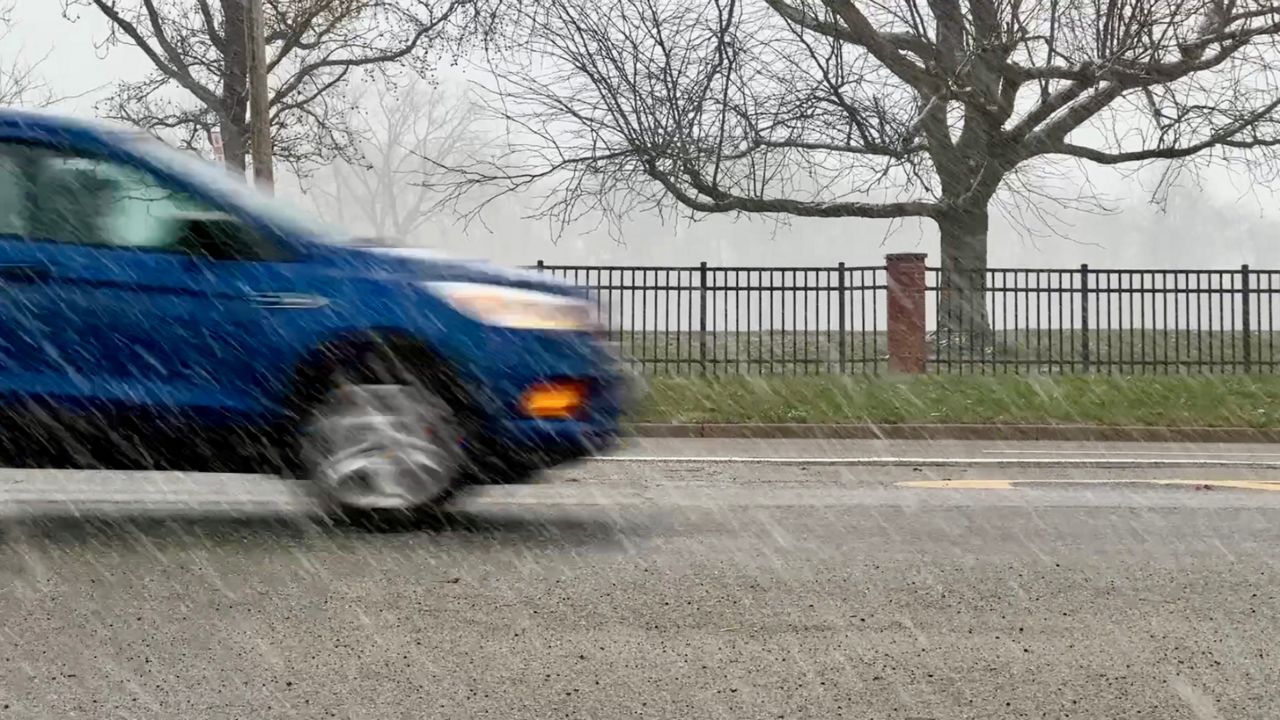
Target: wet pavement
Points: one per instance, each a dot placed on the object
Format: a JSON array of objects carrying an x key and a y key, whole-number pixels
[{"x": 651, "y": 589}]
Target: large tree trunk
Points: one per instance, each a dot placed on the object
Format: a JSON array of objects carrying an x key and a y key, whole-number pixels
[
  {"x": 234, "y": 144},
  {"x": 234, "y": 113},
  {"x": 963, "y": 323}
]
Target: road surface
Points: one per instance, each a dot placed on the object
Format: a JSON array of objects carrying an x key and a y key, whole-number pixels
[{"x": 658, "y": 590}]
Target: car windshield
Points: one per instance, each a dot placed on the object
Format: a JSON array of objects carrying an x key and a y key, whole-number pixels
[{"x": 276, "y": 212}]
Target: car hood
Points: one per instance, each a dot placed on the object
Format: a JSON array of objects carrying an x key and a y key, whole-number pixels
[{"x": 412, "y": 263}]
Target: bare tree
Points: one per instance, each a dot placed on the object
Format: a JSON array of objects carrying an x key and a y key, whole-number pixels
[
  {"x": 412, "y": 134},
  {"x": 316, "y": 48},
  {"x": 20, "y": 81},
  {"x": 937, "y": 109}
]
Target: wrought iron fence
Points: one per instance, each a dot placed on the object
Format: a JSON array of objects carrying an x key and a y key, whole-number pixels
[
  {"x": 702, "y": 319},
  {"x": 1116, "y": 321},
  {"x": 815, "y": 320}
]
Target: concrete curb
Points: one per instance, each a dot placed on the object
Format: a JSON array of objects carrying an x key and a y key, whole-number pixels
[{"x": 1061, "y": 433}]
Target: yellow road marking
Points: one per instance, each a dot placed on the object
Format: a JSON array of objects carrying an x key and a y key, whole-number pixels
[{"x": 960, "y": 484}]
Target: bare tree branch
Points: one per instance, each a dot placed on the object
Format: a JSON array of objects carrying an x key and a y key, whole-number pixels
[
  {"x": 317, "y": 49},
  {"x": 411, "y": 136},
  {"x": 21, "y": 82},
  {"x": 874, "y": 108},
  {"x": 163, "y": 58}
]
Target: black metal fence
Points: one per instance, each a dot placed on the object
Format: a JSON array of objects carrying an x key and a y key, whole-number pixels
[{"x": 814, "y": 320}]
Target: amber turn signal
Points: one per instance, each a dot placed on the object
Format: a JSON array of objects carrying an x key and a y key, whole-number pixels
[{"x": 554, "y": 400}]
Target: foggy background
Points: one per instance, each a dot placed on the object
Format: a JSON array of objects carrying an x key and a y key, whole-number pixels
[{"x": 1221, "y": 223}]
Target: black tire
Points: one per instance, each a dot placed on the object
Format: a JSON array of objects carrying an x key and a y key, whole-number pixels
[{"x": 399, "y": 397}]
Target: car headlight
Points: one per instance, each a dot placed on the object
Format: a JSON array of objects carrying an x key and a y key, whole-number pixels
[{"x": 516, "y": 308}]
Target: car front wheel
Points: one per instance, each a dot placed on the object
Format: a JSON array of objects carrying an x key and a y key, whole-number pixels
[{"x": 382, "y": 449}]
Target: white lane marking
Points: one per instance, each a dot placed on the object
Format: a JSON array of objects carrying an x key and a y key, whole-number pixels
[
  {"x": 938, "y": 461},
  {"x": 978, "y": 484},
  {"x": 1131, "y": 452},
  {"x": 176, "y": 491},
  {"x": 959, "y": 484}
]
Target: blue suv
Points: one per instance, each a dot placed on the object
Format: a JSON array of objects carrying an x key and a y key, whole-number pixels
[{"x": 141, "y": 281}]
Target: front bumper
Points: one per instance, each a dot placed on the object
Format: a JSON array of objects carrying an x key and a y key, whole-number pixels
[
  {"x": 521, "y": 443},
  {"x": 511, "y": 451},
  {"x": 633, "y": 386}
]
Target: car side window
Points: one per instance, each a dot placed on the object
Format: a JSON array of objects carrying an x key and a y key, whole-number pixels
[
  {"x": 55, "y": 196},
  {"x": 12, "y": 197},
  {"x": 94, "y": 202}
]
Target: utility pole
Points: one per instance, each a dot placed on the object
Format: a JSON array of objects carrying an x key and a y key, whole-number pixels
[{"x": 259, "y": 105}]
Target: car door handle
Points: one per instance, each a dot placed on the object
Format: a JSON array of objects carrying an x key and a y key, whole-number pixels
[
  {"x": 24, "y": 272},
  {"x": 296, "y": 301}
]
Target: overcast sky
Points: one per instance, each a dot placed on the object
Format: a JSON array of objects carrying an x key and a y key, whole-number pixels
[{"x": 1217, "y": 226}]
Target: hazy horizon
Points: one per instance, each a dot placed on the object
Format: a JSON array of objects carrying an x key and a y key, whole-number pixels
[{"x": 1138, "y": 235}]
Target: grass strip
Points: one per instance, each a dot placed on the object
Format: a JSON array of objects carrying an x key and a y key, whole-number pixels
[{"x": 1241, "y": 401}]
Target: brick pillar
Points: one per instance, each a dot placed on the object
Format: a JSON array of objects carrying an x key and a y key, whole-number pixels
[{"x": 908, "y": 348}]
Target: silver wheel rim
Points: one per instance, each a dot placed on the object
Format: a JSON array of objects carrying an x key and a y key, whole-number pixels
[{"x": 382, "y": 447}]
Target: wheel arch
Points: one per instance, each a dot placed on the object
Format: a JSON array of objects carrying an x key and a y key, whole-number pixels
[{"x": 311, "y": 375}]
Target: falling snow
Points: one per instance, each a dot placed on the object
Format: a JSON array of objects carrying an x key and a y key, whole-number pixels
[{"x": 262, "y": 461}]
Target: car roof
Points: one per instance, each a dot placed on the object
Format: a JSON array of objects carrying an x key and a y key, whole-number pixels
[
  {"x": 202, "y": 215},
  {"x": 52, "y": 122}
]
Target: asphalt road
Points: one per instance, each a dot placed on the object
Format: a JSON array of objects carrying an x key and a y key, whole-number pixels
[{"x": 647, "y": 589}]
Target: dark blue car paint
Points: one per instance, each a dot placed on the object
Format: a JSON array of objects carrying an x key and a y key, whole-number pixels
[{"x": 222, "y": 341}]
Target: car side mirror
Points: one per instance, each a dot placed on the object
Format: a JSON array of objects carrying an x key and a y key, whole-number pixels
[{"x": 221, "y": 237}]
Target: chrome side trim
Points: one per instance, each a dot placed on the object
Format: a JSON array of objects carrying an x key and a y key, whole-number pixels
[{"x": 291, "y": 301}]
